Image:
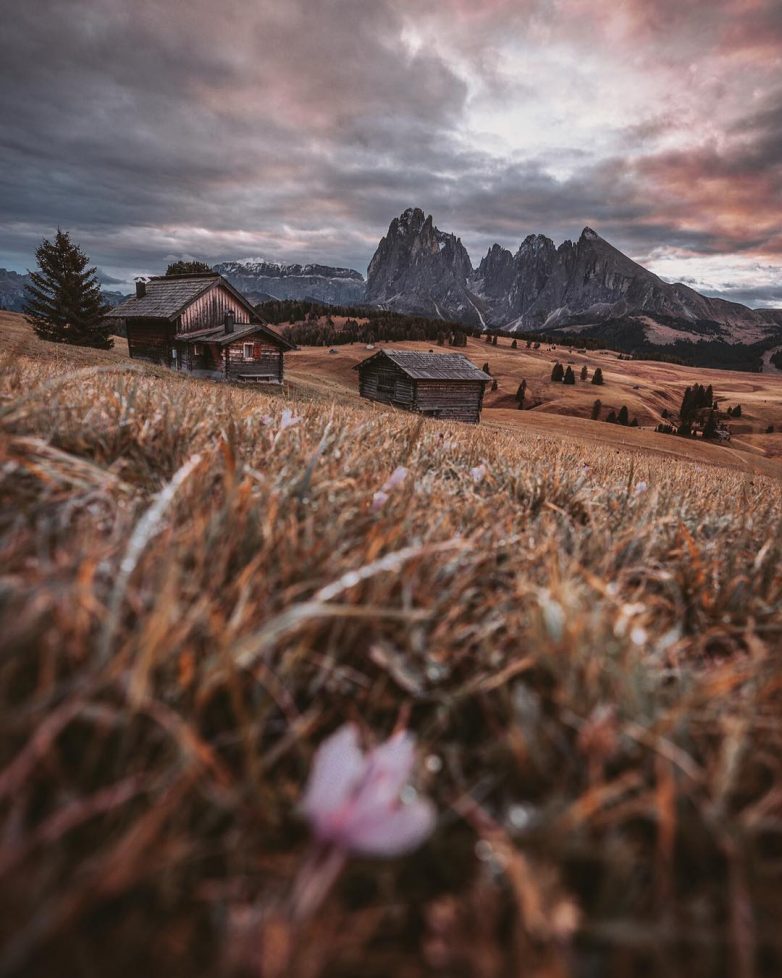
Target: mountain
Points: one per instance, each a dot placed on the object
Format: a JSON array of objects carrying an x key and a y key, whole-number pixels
[
  {"x": 418, "y": 268},
  {"x": 261, "y": 280},
  {"x": 12, "y": 291}
]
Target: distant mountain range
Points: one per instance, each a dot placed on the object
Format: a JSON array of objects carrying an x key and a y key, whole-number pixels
[
  {"x": 260, "y": 280},
  {"x": 419, "y": 269},
  {"x": 586, "y": 287},
  {"x": 12, "y": 291}
]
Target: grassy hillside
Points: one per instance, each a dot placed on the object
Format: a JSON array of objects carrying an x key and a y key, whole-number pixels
[
  {"x": 561, "y": 411},
  {"x": 200, "y": 583}
]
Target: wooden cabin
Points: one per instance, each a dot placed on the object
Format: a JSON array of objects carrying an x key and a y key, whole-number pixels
[
  {"x": 202, "y": 325},
  {"x": 439, "y": 385}
]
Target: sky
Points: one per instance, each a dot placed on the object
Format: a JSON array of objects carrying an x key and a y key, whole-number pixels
[{"x": 297, "y": 129}]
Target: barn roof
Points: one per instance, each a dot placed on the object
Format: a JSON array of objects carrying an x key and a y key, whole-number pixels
[
  {"x": 166, "y": 297},
  {"x": 430, "y": 366}
]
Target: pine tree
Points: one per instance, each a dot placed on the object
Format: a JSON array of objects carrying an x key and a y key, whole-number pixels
[
  {"x": 584, "y": 373},
  {"x": 611, "y": 417},
  {"x": 624, "y": 415},
  {"x": 187, "y": 268},
  {"x": 513, "y": 345},
  {"x": 570, "y": 377},
  {"x": 558, "y": 373},
  {"x": 521, "y": 391},
  {"x": 710, "y": 428},
  {"x": 737, "y": 411},
  {"x": 63, "y": 303},
  {"x": 597, "y": 407},
  {"x": 597, "y": 377}
]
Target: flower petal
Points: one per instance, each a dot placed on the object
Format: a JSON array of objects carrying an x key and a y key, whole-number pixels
[
  {"x": 337, "y": 769},
  {"x": 388, "y": 768},
  {"x": 392, "y": 832}
]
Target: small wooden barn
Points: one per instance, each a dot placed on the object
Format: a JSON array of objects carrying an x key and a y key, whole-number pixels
[
  {"x": 439, "y": 385},
  {"x": 201, "y": 324}
]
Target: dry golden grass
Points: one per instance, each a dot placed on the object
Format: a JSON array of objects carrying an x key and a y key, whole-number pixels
[{"x": 593, "y": 670}]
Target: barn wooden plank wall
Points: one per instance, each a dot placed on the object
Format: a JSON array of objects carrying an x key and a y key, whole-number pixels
[
  {"x": 210, "y": 309},
  {"x": 458, "y": 400},
  {"x": 267, "y": 361},
  {"x": 150, "y": 339},
  {"x": 455, "y": 400}
]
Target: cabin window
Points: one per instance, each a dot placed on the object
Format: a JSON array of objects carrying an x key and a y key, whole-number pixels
[{"x": 248, "y": 351}]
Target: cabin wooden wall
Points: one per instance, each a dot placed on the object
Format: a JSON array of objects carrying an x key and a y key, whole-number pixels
[
  {"x": 266, "y": 363},
  {"x": 208, "y": 363},
  {"x": 384, "y": 381},
  {"x": 456, "y": 400},
  {"x": 150, "y": 339},
  {"x": 210, "y": 309}
]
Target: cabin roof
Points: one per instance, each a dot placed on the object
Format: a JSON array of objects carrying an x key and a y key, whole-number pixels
[
  {"x": 430, "y": 366},
  {"x": 166, "y": 297},
  {"x": 218, "y": 335},
  {"x": 169, "y": 295}
]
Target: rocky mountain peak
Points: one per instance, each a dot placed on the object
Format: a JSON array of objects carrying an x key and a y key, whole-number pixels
[
  {"x": 419, "y": 268},
  {"x": 418, "y": 259}
]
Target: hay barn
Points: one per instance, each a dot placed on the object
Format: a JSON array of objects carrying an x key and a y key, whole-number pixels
[{"x": 438, "y": 385}]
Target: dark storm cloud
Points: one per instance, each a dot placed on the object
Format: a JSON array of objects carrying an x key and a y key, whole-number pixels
[{"x": 299, "y": 129}]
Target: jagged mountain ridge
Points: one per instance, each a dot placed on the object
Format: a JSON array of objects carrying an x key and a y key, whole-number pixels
[
  {"x": 419, "y": 269},
  {"x": 260, "y": 279}
]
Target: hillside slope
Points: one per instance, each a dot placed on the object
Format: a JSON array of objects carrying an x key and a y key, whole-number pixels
[{"x": 200, "y": 583}]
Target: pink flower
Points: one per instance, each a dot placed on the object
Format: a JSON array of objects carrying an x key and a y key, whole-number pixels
[
  {"x": 288, "y": 419},
  {"x": 379, "y": 500},
  {"x": 353, "y": 800},
  {"x": 396, "y": 478}
]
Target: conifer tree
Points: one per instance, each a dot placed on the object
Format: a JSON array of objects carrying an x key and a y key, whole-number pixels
[
  {"x": 584, "y": 373},
  {"x": 597, "y": 377},
  {"x": 611, "y": 417},
  {"x": 710, "y": 428},
  {"x": 597, "y": 407},
  {"x": 557, "y": 373},
  {"x": 513, "y": 345},
  {"x": 187, "y": 267},
  {"x": 570, "y": 377},
  {"x": 624, "y": 415},
  {"x": 63, "y": 303}
]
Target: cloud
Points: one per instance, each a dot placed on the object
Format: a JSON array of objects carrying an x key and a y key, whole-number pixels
[{"x": 299, "y": 129}]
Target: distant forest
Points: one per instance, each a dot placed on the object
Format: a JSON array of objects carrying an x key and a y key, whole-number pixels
[{"x": 312, "y": 324}]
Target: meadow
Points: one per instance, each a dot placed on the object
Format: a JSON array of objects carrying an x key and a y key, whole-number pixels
[{"x": 201, "y": 583}]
